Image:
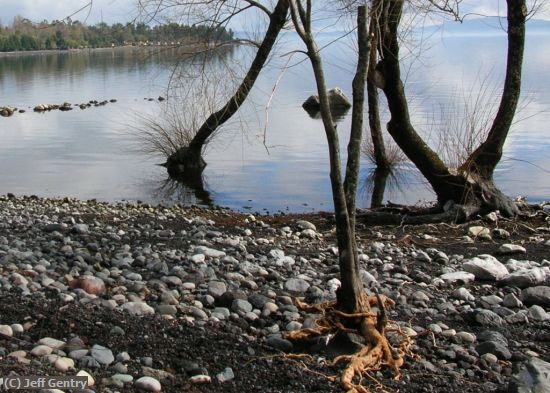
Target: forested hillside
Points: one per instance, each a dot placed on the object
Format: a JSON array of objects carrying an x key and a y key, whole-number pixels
[{"x": 23, "y": 35}]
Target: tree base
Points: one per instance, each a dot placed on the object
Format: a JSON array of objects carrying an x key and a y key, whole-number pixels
[
  {"x": 479, "y": 199},
  {"x": 372, "y": 327},
  {"x": 185, "y": 162}
]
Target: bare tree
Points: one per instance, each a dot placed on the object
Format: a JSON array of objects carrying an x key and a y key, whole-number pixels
[
  {"x": 187, "y": 159},
  {"x": 352, "y": 305},
  {"x": 471, "y": 185}
]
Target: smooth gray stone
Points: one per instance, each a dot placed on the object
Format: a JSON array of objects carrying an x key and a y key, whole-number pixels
[
  {"x": 536, "y": 295},
  {"x": 534, "y": 377}
]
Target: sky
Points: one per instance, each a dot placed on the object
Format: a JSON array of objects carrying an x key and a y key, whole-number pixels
[{"x": 112, "y": 11}]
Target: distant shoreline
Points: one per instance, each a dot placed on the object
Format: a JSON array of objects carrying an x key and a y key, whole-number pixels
[{"x": 81, "y": 50}]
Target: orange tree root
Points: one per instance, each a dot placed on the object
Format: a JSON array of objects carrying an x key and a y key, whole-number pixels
[{"x": 374, "y": 355}]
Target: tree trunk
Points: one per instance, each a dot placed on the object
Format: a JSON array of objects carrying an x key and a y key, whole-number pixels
[
  {"x": 356, "y": 133},
  {"x": 380, "y": 157},
  {"x": 350, "y": 293},
  {"x": 486, "y": 157},
  {"x": 380, "y": 179},
  {"x": 188, "y": 159},
  {"x": 464, "y": 186}
]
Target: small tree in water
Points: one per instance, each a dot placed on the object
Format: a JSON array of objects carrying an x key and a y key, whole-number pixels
[{"x": 468, "y": 189}]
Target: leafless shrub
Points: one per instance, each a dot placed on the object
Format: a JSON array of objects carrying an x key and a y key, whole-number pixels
[
  {"x": 395, "y": 155},
  {"x": 165, "y": 134}
]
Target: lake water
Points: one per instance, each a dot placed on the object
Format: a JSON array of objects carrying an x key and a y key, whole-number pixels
[{"x": 274, "y": 156}]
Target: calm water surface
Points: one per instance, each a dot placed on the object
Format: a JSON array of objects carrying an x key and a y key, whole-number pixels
[{"x": 267, "y": 159}]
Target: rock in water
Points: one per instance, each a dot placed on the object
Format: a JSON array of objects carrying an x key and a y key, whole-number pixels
[
  {"x": 338, "y": 99},
  {"x": 534, "y": 377},
  {"x": 312, "y": 103}
]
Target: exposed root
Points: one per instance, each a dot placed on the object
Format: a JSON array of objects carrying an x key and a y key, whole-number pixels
[{"x": 378, "y": 351}]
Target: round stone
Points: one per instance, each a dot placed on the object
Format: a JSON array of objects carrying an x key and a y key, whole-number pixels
[
  {"x": 83, "y": 373},
  {"x": 102, "y": 355},
  {"x": 148, "y": 384},
  {"x": 41, "y": 350},
  {"x": 6, "y": 330},
  {"x": 64, "y": 364}
]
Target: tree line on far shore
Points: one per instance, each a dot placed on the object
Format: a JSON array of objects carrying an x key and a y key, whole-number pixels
[{"x": 24, "y": 35}]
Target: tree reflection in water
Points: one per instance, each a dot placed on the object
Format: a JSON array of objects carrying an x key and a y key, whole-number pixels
[{"x": 187, "y": 190}]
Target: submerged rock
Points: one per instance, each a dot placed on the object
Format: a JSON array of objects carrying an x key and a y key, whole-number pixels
[
  {"x": 337, "y": 100},
  {"x": 7, "y": 111}
]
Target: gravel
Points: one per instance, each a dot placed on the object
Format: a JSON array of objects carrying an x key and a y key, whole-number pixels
[{"x": 173, "y": 299}]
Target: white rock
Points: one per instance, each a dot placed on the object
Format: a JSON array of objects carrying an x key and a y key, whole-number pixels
[
  {"x": 83, "y": 373},
  {"x": 78, "y": 354},
  {"x": 479, "y": 232},
  {"x": 302, "y": 224},
  {"x": 198, "y": 258},
  {"x": 454, "y": 277},
  {"x": 485, "y": 267},
  {"x": 489, "y": 358},
  {"x": 463, "y": 294},
  {"x": 296, "y": 285},
  {"x": 276, "y": 253},
  {"x": 17, "y": 328},
  {"x": 226, "y": 375},
  {"x": 196, "y": 379},
  {"x": 6, "y": 330},
  {"x": 466, "y": 337},
  {"x": 41, "y": 350},
  {"x": 368, "y": 279},
  {"x": 508, "y": 249},
  {"x": 64, "y": 364},
  {"x": 148, "y": 384},
  {"x": 102, "y": 355},
  {"x": 81, "y": 228},
  {"x": 125, "y": 378},
  {"x": 217, "y": 288},
  {"x": 309, "y": 233},
  {"x": 138, "y": 308},
  {"x": 18, "y": 279},
  {"x": 526, "y": 277},
  {"x": 52, "y": 342},
  {"x": 209, "y": 252},
  {"x": 537, "y": 313}
]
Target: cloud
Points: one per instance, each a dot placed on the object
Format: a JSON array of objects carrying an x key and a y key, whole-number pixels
[
  {"x": 110, "y": 11},
  {"x": 498, "y": 8}
]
